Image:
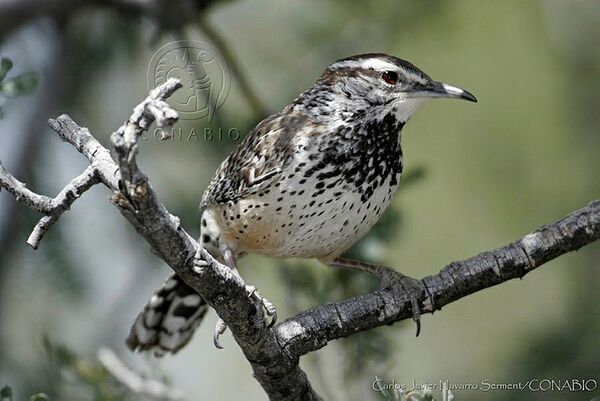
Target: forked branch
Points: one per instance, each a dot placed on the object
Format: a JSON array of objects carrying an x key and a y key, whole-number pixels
[{"x": 53, "y": 208}]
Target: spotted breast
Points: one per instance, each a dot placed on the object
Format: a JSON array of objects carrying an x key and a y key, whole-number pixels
[{"x": 309, "y": 192}]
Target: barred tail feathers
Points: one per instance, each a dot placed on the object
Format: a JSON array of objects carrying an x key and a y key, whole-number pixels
[{"x": 169, "y": 320}]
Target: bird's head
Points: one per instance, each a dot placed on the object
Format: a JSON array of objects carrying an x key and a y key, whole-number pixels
[{"x": 379, "y": 84}]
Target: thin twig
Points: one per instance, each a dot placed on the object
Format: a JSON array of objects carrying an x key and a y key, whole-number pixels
[
  {"x": 62, "y": 202},
  {"x": 152, "y": 389},
  {"x": 52, "y": 207},
  {"x": 24, "y": 195}
]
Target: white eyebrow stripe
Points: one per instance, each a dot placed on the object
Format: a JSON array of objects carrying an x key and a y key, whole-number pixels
[{"x": 372, "y": 63}]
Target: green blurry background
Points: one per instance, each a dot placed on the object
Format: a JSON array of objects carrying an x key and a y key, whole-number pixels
[{"x": 478, "y": 176}]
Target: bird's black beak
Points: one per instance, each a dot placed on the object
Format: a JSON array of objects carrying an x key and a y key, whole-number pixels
[{"x": 439, "y": 89}]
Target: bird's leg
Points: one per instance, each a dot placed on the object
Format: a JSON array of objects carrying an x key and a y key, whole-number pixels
[
  {"x": 413, "y": 288},
  {"x": 252, "y": 292}
]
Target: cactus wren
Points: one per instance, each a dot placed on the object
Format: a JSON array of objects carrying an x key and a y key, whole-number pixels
[{"x": 307, "y": 182}]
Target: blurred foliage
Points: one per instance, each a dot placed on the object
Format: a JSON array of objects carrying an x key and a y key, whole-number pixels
[
  {"x": 20, "y": 85},
  {"x": 7, "y": 395},
  {"x": 63, "y": 273},
  {"x": 92, "y": 43},
  {"x": 82, "y": 379},
  {"x": 64, "y": 375},
  {"x": 569, "y": 351}
]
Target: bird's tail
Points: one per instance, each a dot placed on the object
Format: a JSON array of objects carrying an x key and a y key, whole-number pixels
[{"x": 168, "y": 320}]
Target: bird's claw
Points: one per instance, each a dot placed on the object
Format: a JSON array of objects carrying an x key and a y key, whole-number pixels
[
  {"x": 265, "y": 303},
  {"x": 199, "y": 262},
  {"x": 268, "y": 306},
  {"x": 220, "y": 328},
  {"x": 413, "y": 289}
]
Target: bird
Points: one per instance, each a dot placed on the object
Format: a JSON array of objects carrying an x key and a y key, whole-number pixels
[{"x": 307, "y": 182}]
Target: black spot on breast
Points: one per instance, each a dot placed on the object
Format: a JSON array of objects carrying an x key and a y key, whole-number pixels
[{"x": 362, "y": 154}]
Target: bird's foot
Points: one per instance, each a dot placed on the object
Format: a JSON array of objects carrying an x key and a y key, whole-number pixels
[
  {"x": 414, "y": 289},
  {"x": 265, "y": 303},
  {"x": 268, "y": 306},
  {"x": 411, "y": 287}
]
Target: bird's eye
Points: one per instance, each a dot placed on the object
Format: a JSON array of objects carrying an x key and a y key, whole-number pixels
[{"x": 391, "y": 77}]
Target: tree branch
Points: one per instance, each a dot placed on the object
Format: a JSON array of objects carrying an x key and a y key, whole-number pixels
[
  {"x": 52, "y": 207},
  {"x": 22, "y": 194},
  {"x": 62, "y": 202},
  {"x": 274, "y": 353},
  {"x": 310, "y": 330}
]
